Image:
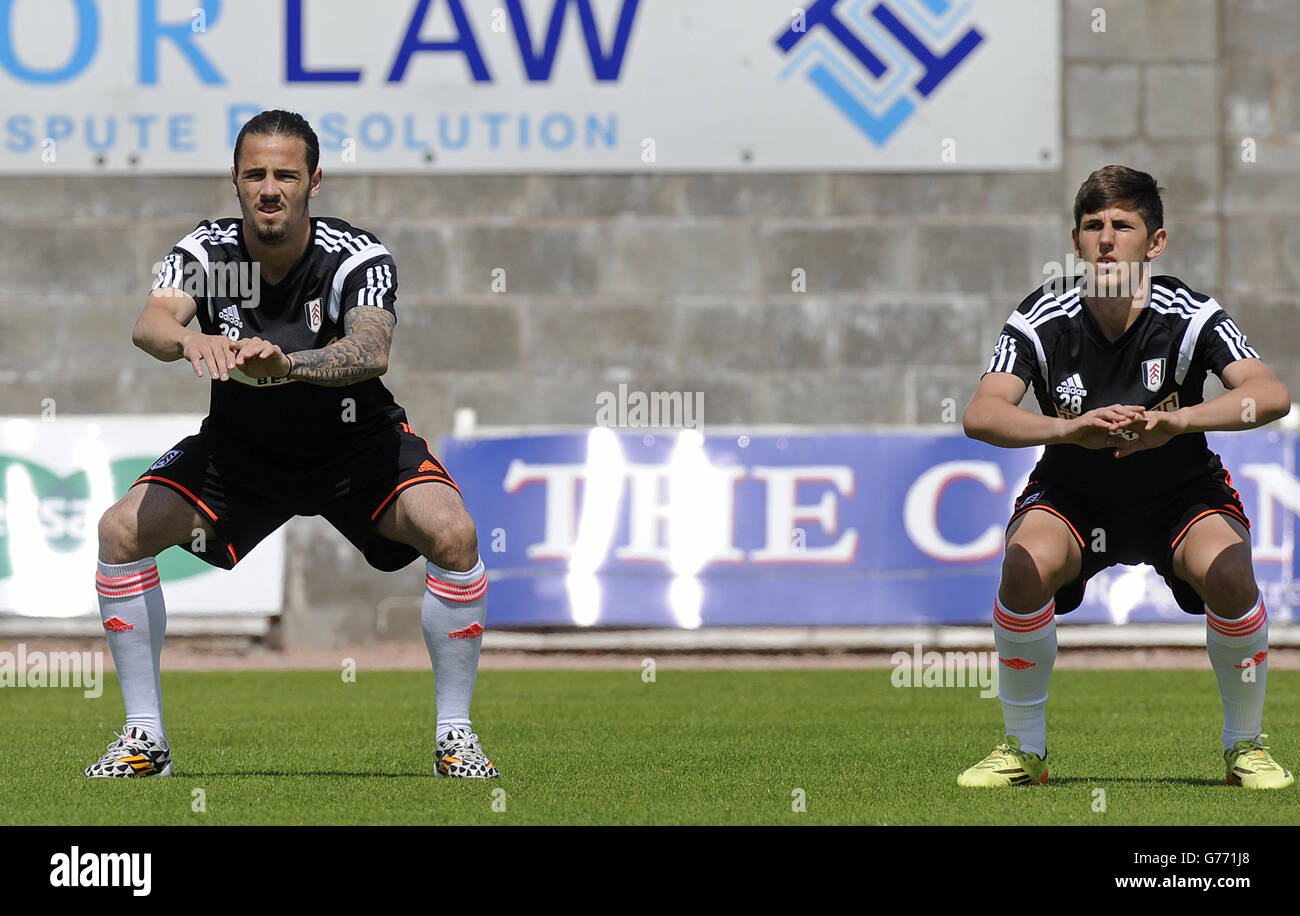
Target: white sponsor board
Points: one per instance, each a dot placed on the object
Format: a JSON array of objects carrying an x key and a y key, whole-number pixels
[
  {"x": 56, "y": 479},
  {"x": 535, "y": 85}
]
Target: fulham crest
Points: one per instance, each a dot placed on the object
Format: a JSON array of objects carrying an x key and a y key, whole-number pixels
[
  {"x": 1153, "y": 374},
  {"x": 313, "y": 315}
]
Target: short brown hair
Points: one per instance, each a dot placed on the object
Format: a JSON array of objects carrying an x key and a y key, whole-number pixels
[
  {"x": 285, "y": 124},
  {"x": 1121, "y": 186}
]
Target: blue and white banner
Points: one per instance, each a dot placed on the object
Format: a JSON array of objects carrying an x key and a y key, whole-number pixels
[
  {"x": 535, "y": 85},
  {"x": 679, "y": 530}
]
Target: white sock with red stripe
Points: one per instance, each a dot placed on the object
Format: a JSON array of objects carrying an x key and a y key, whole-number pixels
[
  {"x": 135, "y": 620},
  {"x": 453, "y": 615},
  {"x": 1238, "y": 652},
  {"x": 1026, "y": 645}
]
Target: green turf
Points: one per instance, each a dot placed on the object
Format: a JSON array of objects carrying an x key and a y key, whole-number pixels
[{"x": 698, "y": 747}]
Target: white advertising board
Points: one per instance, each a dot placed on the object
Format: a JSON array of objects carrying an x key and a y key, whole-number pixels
[
  {"x": 57, "y": 476},
  {"x": 151, "y": 86}
]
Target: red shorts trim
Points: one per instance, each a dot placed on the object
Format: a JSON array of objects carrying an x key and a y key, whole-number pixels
[
  {"x": 1231, "y": 513},
  {"x": 1082, "y": 543},
  {"x": 439, "y": 478},
  {"x": 174, "y": 485}
]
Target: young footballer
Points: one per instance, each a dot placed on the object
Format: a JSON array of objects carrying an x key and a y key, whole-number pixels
[
  {"x": 1117, "y": 361},
  {"x": 299, "y": 424}
]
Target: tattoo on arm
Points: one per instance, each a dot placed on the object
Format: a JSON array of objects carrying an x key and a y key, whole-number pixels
[{"x": 361, "y": 353}]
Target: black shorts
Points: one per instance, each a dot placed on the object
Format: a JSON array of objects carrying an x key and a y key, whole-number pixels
[
  {"x": 245, "y": 498},
  {"x": 1147, "y": 533}
]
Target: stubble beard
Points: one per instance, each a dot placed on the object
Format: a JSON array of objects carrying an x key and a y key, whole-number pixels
[
  {"x": 272, "y": 234},
  {"x": 269, "y": 235}
]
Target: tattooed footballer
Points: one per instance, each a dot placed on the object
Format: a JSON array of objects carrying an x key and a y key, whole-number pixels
[{"x": 296, "y": 316}]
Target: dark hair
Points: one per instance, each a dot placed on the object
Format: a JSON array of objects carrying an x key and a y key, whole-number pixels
[
  {"x": 284, "y": 124},
  {"x": 1121, "y": 186}
]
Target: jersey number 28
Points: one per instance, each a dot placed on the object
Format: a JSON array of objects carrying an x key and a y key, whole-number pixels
[{"x": 1070, "y": 402}]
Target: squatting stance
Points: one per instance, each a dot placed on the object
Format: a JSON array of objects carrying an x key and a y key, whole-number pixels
[
  {"x": 299, "y": 424},
  {"x": 1117, "y": 360}
]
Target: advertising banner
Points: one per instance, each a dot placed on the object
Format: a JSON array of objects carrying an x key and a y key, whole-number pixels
[
  {"x": 58, "y": 476},
  {"x": 145, "y": 86},
  {"x": 615, "y": 528}
]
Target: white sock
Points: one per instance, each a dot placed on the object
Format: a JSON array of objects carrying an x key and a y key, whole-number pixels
[
  {"x": 453, "y": 615},
  {"x": 1238, "y": 652},
  {"x": 135, "y": 620},
  {"x": 1026, "y": 645}
]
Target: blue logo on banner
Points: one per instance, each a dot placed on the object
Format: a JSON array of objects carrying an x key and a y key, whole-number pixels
[{"x": 897, "y": 47}]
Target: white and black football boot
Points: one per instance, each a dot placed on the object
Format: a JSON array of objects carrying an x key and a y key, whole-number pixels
[
  {"x": 135, "y": 753},
  {"x": 459, "y": 754}
]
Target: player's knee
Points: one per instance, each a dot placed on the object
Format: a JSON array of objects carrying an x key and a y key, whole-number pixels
[
  {"x": 1229, "y": 588},
  {"x": 118, "y": 536},
  {"x": 1026, "y": 580},
  {"x": 457, "y": 543}
]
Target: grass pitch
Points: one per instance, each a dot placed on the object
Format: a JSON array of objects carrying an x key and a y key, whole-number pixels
[{"x": 603, "y": 747}]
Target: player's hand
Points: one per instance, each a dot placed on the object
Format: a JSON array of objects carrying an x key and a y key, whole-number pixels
[
  {"x": 258, "y": 358},
  {"x": 1154, "y": 428},
  {"x": 1098, "y": 428},
  {"x": 217, "y": 350}
]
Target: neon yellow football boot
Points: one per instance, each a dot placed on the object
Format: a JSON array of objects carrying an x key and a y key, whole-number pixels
[
  {"x": 1251, "y": 765},
  {"x": 1008, "y": 765}
]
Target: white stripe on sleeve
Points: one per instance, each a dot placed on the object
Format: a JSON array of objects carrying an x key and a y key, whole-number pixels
[{"x": 1235, "y": 340}]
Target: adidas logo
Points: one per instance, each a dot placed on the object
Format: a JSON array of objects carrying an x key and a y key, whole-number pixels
[
  {"x": 231, "y": 314},
  {"x": 1072, "y": 385},
  {"x": 427, "y": 466},
  {"x": 117, "y": 625}
]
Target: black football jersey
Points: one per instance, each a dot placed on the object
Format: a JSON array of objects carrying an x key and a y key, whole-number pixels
[
  {"x": 1053, "y": 344},
  {"x": 343, "y": 268}
]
